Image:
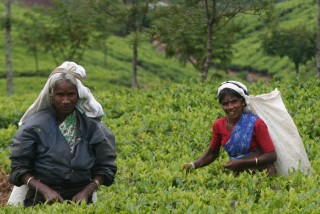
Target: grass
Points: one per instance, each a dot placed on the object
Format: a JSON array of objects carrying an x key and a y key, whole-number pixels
[{"x": 248, "y": 51}]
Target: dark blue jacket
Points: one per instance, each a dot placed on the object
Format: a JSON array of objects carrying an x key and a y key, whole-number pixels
[{"x": 39, "y": 147}]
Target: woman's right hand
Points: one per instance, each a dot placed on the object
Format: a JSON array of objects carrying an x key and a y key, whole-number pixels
[
  {"x": 49, "y": 194},
  {"x": 208, "y": 157},
  {"x": 189, "y": 167}
]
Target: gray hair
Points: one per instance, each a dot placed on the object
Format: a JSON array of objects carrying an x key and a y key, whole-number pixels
[{"x": 57, "y": 78}]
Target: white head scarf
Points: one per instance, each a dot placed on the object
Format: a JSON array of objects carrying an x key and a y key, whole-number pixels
[
  {"x": 87, "y": 104},
  {"x": 238, "y": 87}
]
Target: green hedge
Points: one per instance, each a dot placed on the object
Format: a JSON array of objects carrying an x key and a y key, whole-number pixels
[{"x": 158, "y": 130}]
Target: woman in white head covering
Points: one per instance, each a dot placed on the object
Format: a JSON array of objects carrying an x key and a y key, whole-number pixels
[
  {"x": 62, "y": 150},
  {"x": 86, "y": 102},
  {"x": 243, "y": 135}
]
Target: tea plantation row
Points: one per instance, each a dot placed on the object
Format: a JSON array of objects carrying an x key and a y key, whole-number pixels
[{"x": 158, "y": 130}]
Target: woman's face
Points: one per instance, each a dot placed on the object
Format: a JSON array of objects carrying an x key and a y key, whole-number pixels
[
  {"x": 64, "y": 98},
  {"x": 232, "y": 106}
]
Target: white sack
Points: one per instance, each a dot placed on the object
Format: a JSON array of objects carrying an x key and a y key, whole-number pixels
[
  {"x": 17, "y": 195},
  {"x": 283, "y": 132}
]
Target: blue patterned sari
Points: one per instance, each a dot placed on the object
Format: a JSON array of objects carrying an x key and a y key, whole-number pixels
[{"x": 239, "y": 142}]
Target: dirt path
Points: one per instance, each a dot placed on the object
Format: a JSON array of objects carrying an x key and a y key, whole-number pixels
[{"x": 5, "y": 188}]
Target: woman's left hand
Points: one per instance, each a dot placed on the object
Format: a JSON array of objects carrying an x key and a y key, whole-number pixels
[
  {"x": 83, "y": 195},
  {"x": 234, "y": 165}
]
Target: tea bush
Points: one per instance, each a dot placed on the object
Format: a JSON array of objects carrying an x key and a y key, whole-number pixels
[{"x": 158, "y": 130}]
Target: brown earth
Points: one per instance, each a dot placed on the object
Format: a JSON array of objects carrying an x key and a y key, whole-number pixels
[{"x": 5, "y": 188}]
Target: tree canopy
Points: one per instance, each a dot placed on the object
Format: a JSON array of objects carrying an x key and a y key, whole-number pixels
[
  {"x": 298, "y": 44},
  {"x": 202, "y": 31}
]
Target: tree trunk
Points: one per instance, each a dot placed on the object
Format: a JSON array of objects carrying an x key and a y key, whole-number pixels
[
  {"x": 134, "y": 28},
  {"x": 134, "y": 65},
  {"x": 296, "y": 66},
  {"x": 54, "y": 55},
  {"x": 36, "y": 60},
  {"x": 318, "y": 41},
  {"x": 105, "y": 52},
  {"x": 8, "y": 49},
  {"x": 210, "y": 24},
  {"x": 207, "y": 62}
]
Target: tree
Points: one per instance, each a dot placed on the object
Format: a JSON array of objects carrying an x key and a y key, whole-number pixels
[
  {"x": 65, "y": 29},
  {"x": 132, "y": 16},
  {"x": 200, "y": 29},
  {"x": 298, "y": 44},
  {"x": 103, "y": 29},
  {"x": 136, "y": 22},
  {"x": 29, "y": 33},
  {"x": 104, "y": 19},
  {"x": 8, "y": 48}
]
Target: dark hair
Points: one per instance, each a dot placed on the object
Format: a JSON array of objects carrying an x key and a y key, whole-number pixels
[{"x": 228, "y": 91}]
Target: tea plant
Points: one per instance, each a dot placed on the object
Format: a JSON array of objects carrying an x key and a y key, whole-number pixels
[{"x": 158, "y": 130}]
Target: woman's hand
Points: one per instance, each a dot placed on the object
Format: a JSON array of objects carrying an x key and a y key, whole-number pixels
[
  {"x": 234, "y": 165},
  {"x": 49, "y": 194},
  {"x": 83, "y": 195},
  {"x": 251, "y": 162},
  {"x": 189, "y": 167},
  {"x": 208, "y": 157}
]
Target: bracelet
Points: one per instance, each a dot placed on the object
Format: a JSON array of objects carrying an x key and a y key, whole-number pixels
[
  {"x": 96, "y": 182},
  {"x": 29, "y": 180},
  {"x": 192, "y": 164},
  {"x": 256, "y": 161}
]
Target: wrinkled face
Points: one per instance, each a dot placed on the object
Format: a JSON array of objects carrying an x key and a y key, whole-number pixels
[
  {"x": 232, "y": 106},
  {"x": 64, "y": 98}
]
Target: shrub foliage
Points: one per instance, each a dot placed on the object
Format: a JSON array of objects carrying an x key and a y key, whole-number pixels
[{"x": 158, "y": 130}]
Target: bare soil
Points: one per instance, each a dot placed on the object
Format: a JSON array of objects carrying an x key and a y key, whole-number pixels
[{"x": 5, "y": 188}]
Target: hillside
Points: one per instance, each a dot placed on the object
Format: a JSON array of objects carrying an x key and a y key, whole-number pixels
[
  {"x": 154, "y": 68},
  {"x": 248, "y": 52}
]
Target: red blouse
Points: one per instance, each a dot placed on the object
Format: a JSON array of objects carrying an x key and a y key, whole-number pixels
[{"x": 260, "y": 136}]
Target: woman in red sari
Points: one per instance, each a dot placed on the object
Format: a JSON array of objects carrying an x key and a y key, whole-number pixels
[{"x": 243, "y": 135}]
